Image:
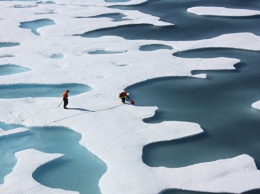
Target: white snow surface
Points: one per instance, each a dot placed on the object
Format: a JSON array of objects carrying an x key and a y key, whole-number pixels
[
  {"x": 256, "y": 105},
  {"x": 222, "y": 11},
  {"x": 13, "y": 131},
  {"x": 115, "y": 133}
]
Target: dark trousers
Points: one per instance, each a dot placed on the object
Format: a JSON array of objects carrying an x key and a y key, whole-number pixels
[{"x": 66, "y": 102}]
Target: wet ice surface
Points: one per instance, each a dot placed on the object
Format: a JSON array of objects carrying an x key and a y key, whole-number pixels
[
  {"x": 9, "y": 69},
  {"x": 114, "y": 16},
  {"x": 34, "y": 25},
  {"x": 8, "y": 44},
  {"x": 154, "y": 47},
  {"x": 57, "y": 56},
  {"x": 104, "y": 52}
]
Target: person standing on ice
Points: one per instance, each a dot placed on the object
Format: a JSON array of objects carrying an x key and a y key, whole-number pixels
[
  {"x": 123, "y": 96},
  {"x": 65, "y": 96}
]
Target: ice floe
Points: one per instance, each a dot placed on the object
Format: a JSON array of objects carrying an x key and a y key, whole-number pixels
[
  {"x": 115, "y": 133},
  {"x": 223, "y": 11},
  {"x": 256, "y": 105},
  {"x": 20, "y": 178},
  {"x": 14, "y": 131}
]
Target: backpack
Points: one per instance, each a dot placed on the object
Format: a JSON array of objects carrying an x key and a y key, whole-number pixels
[{"x": 122, "y": 95}]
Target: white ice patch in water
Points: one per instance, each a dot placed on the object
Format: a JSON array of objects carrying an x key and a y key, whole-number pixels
[
  {"x": 21, "y": 176},
  {"x": 256, "y": 105},
  {"x": 13, "y": 131},
  {"x": 223, "y": 11}
]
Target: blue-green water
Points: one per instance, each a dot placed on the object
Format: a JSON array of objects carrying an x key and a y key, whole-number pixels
[
  {"x": 34, "y": 25},
  {"x": 114, "y": 16},
  {"x": 45, "y": 2},
  {"x": 104, "y": 52},
  {"x": 9, "y": 126},
  {"x": 41, "y": 90},
  {"x": 152, "y": 47},
  {"x": 77, "y": 170},
  {"x": 8, "y": 44},
  {"x": 9, "y": 69}
]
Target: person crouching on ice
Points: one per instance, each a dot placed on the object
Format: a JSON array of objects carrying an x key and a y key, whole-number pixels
[
  {"x": 123, "y": 96},
  {"x": 65, "y": 96}
]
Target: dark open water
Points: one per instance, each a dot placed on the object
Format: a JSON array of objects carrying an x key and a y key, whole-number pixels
[{"x": 221, "y": 104}]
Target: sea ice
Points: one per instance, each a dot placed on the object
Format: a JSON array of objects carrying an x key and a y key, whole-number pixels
[
  {"x": 223, "y": 11},
  {"x": 115, "y": 133}
]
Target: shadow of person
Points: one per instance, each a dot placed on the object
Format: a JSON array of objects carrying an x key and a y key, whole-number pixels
[
  {"x": 84, "y": 111},
  {"x": 80, "y": 109}
]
